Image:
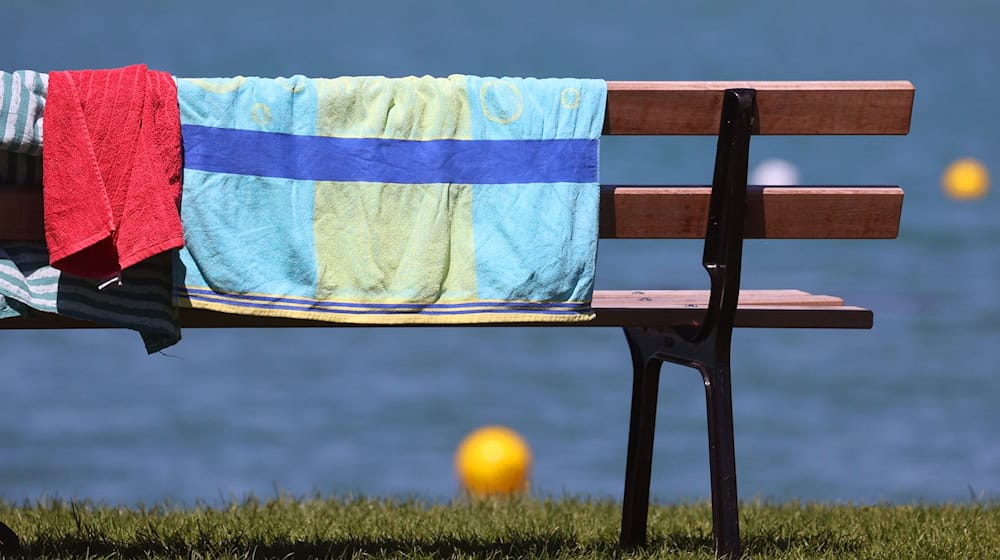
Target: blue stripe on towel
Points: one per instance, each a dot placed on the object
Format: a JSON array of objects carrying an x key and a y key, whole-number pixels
[{"x": 320, "y": 158}]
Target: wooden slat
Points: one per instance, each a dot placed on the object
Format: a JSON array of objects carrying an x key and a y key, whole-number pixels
[
  {"x": 650, "y": 212},
  {"x": 800, "y": 212},
  {"x": 646, "y": 299},
  {"x": 21, "y": 214},
  {"x": 757, "y": 308},
  {"x": 614, "y": 308},
  {"x": 857, "y": 107}
]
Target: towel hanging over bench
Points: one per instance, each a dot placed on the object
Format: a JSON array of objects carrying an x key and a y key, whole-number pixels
[
  {"x": 378, "y": 200},
  {"x": 142, "y": 301},
  {"x": 112, "y": 165}
]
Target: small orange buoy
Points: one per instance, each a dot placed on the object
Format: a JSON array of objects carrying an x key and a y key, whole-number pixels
[
  {"x": 966, "y": 179},
  {"x": 492, "y": 461}
]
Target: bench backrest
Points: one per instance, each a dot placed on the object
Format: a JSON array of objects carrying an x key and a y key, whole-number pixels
[
  {"x": 693, "y": 108},
  {"x": 785, "y": 108}
]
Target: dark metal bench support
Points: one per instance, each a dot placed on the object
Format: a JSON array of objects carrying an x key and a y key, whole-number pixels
[
  {"x": 706, "y": 348},
  {"x": 8, "y": 539},
  {"x": 642, "y": 425}
]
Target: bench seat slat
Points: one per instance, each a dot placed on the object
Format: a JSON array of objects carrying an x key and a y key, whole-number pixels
[
  {"x": 630, "y": 212},
  {"x": 645, "y": 308},
  {"x": 757, "y": 308},
  {"x": 857, "y": 107}
]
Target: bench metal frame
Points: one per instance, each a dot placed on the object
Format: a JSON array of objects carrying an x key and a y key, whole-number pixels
[{"x": 706, "y": 349}]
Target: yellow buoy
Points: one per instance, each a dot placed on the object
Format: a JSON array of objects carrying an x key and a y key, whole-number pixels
[
  {"x": 966, "y": 179},
  {"x": 492, "y": 461}
]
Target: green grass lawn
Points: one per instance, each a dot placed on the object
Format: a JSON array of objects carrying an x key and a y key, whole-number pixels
[{"x": 524, "y": 528}]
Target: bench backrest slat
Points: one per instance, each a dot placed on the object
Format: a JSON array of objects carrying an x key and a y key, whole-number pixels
[
  {"x": 685, "y": 108},
  {"x": 802, "y": 212}
]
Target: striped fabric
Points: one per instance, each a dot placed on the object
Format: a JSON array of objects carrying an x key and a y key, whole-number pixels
[
  {"x": 414, "y": 200},
  {"x": 22, "y": 106},
  {"x": 142, "y": 302}
]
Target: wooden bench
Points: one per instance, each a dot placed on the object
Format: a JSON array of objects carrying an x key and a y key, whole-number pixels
[{"x": 692, "y": 328}]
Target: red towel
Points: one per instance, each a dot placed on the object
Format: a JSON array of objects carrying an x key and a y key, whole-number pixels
[{"x": 111, "y": 169}]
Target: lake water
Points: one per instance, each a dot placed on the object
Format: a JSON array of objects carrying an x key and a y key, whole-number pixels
[{"x": 905, "y": 412}]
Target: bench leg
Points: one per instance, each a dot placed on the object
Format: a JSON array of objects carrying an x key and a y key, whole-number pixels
[
  {"x": 8, "y": 539},
  {"x": 642, "y": 426},
  {"x": 649, "y": 351},
  {"x": 722, "y": 461}
]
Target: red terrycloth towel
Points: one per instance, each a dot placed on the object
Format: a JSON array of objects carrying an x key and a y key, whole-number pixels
[{"x": 111, "y": 164}]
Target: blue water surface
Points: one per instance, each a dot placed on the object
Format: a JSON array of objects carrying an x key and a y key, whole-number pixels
[{"x": 905, "y": 412}]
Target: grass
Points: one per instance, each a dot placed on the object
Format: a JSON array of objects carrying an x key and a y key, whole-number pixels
[{"x": 291, "y": 528}]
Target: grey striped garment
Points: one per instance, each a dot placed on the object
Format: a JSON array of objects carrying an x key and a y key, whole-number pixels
[
  {"x": 143, "y": 301},
  {"x": 22, "y": 108}
]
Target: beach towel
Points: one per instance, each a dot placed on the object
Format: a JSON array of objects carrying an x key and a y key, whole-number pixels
[
  {"x": 379, "y": 200},
  {"x": 141, "y": 303},
  {"x": 112, "y": 164}
]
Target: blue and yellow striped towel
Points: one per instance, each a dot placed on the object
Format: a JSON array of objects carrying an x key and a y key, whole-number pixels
[{"x": 394, "y": 201}]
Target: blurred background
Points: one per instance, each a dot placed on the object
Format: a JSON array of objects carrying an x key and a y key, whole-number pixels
[{"x": 904, "y": 413}]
